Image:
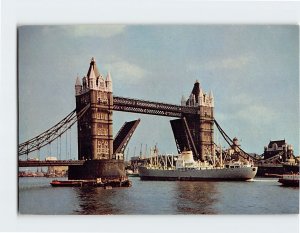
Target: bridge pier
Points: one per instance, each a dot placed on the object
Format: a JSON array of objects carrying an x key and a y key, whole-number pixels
[{"x": 93, "y": 169}]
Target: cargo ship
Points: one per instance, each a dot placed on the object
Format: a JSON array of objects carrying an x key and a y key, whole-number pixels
[{"x": 186, "y": 168}]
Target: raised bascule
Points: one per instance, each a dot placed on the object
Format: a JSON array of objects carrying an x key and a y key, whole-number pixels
[{"x": 103, "y": 154}]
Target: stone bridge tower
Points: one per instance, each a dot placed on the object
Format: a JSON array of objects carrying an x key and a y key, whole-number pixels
[
  {"x": 201, "y": 125},
  {"x": 95, "y": 132}
]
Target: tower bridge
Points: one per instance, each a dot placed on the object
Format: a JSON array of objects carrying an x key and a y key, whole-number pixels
[
  {"x": 95, "y": 104},
  {"x": 193, "y": 130}
]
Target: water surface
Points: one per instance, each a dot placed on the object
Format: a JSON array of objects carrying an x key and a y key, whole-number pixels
[{"x": 261, "y": 196}]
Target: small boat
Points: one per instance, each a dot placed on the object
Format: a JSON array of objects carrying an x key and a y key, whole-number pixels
[
  {"x": 188, "y": 169},
  {"x": 290, "y": 180},
  {"x": 131, "y": 173},
  {"x": 66, "y": 183}
]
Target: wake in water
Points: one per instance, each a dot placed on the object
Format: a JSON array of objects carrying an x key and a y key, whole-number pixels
[{"x": 265, "y": 180}]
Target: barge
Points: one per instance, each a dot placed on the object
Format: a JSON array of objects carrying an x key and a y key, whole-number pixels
[{"x": 94, "y": 183}]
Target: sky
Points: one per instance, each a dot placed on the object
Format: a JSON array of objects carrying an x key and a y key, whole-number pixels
[{"x": 253, "y": 72}]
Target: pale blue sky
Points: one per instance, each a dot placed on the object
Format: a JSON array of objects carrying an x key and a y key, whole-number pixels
[{"x": 252, "y": 70}]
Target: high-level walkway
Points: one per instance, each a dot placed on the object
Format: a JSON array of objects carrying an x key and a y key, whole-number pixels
[{"x": 28, "y": 163}]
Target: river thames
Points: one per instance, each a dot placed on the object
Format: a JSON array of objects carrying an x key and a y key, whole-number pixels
[{"x": 260, "y": 196}]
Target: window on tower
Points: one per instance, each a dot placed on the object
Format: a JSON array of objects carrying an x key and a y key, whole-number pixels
[{"x": 101, "y": 84}]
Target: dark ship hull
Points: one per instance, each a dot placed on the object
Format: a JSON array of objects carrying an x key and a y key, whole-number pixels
[{"x": 273, "y": 170}]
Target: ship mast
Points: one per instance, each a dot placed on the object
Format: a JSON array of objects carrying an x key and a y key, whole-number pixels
[
  {"x": 141, "y": 154},
  {"x": 214, "y": 158},
  {"x": 151, "y": 156},
  {"x": 221, "y": 159},
  {"x": 146, "y": 151}
]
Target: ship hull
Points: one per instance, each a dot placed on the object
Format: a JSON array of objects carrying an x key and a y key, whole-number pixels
[
  {"x": 292, "y": 183},
  {"x": 290, "y": 180},
  {"x": 216, "y": 174}
]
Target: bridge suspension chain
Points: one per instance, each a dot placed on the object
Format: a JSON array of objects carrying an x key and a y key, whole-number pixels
[
  {"x": 230, "y": 142},
  {"x": 51, "y": 134}
]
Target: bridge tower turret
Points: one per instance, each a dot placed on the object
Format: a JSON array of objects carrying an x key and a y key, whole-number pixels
[
  {"x": 108, "y": 82},
  {"x": 78, "y": 87},
  {"x": 183, "y": 101}
]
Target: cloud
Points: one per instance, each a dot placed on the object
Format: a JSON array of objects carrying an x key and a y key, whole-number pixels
[
  {"x": 230, "y": 63},
  {"x": 103, "y": 31},
  {"x": 123, "y": 70},
  {"x": 249, "y": 110},
  {"x": 257, "y": 114},
  {"x": 242, "y": 99},
  {"x": 225, "y": 63}
]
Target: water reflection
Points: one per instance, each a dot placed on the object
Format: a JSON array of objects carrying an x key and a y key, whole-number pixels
[
  {"x": 149, "y": 198},
  {"x": 96, "y": 200},
  {"x": 196, "y": 197}
]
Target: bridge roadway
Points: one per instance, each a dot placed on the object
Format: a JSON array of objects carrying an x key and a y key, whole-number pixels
[
  {"x": 152, "y": 108},
  {"x": 37, "y": 163}
]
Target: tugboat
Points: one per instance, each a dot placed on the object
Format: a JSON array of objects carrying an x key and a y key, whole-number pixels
[
  {"x": 290, "y": 180},
  {"x": 131, "y": 173}
]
